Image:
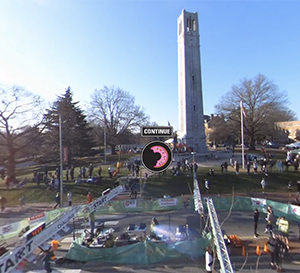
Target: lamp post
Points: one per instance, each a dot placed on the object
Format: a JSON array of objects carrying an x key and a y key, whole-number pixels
[
  {"x": 105, "y": 143},
  {"x": 61, "y": 161}
]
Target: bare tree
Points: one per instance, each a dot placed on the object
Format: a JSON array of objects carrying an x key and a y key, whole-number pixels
[
  {"x": 115, "y": 110},
  {"x": 219, "y": 130},
  {"x": 20, "y": 117},
  {"x": 263, "y": 103}
]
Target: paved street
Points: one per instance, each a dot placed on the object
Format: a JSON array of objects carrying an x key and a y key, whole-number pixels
[{"x": 239, "y": 223}]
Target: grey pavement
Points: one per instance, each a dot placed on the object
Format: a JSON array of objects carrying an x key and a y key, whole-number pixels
[{"x": 240, "y": 223}]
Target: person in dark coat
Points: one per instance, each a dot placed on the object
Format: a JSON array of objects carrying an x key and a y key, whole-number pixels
[
  {"x": 271, "y": 247},
  {"x": 47, "y": 258},
  {"x": 256, "y": 216}
]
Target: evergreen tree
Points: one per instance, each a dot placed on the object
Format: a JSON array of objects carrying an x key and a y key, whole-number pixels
[{"x": 76, "y": 132}]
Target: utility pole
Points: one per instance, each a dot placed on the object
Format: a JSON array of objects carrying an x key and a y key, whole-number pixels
[
  {"x": 61, "y": 162},
  {"x": 105, "y": 143}
]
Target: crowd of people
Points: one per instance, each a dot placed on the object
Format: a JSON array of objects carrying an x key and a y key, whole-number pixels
[{"x": 185, "y": 167}]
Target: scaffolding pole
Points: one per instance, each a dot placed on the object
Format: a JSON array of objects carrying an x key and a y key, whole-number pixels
[
  {"x": 221, "y": 248},
  {"x": 198, "y": 203}
]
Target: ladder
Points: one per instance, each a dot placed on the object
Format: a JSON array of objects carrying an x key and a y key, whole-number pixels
[
  {"x": 221, "y": 248},
  {"x": 41, "y": 237}
]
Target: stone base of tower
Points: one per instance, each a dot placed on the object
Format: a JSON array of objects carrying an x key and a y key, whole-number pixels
[{"x": 197, "y": 144}]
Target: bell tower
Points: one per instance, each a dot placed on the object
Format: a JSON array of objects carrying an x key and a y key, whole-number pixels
[{"x": 191, "y": 122}]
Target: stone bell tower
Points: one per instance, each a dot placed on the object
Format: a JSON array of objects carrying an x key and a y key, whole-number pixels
[{"x": 191, "y": 122}]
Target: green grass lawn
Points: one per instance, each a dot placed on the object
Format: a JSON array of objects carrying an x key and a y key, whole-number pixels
[
  {"x": 158, "y": 185},
  {"x": 39, "y": 194}
]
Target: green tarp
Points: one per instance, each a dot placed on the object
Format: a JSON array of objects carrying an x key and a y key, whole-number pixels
[
  {"x": 139, "y": 253},
  {"x": 249, "y": 204}
]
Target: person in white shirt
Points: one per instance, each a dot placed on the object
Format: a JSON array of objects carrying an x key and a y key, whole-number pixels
[
  {"x": 263, "y": 185},
  {"x": 209, "y": 260},
  {"x": 69, "y": 195}
]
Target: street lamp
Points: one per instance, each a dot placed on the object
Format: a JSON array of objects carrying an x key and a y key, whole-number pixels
[
  {"x": 105, "y": 143},
  {"x": 61, "y": 161}
]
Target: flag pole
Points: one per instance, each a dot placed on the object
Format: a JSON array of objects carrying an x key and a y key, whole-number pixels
[{"x": 242, "y": 134}]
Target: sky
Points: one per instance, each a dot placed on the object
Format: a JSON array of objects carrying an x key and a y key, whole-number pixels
[{"x": 48, "y": 45}]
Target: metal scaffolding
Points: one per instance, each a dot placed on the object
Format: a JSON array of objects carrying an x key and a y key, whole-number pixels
[
  {"x": 221, "y": 248},
  {"x": 197, "y": 199}
]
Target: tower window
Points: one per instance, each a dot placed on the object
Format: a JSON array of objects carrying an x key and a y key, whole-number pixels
[
  {"x": 193, "y": 77},
  {"x": 194, "y": 107},
  {"x": 194, "y": 25},
  {"x": 188, "y": 24}
]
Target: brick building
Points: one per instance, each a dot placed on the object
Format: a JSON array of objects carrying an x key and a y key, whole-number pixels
[{"x": 290, "y": 126}]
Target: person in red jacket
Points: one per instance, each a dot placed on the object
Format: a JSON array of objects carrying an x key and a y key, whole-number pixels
[{"x": 89, "y": 197}]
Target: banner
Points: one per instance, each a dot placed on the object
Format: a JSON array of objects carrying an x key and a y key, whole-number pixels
[
  {"x": 259, "y": 202},
  {"x": 296, "y": 209},
  {"x": 65, "y": 154},
  {"x": 167, "y": 202},
  {"x": 129, "y": 204},
  {"x": 41, "y": 217},
  {"x": 13, "y": 230},
  {"x": 10, "y": 228}
]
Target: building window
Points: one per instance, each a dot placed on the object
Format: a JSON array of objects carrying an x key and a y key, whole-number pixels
[
  {"x": 194, "y": 107},
  {"x": 193, "y": 77}
]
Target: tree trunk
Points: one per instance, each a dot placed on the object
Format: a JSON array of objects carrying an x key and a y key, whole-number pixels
[
  {"x": 11, "y": 164},
  {"x": 113, "y": 149},
  {"x": 252, "y": 142}
]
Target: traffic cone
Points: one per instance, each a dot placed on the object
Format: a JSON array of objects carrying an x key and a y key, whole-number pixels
[
  {"x": 258, "y": 251},
  {"x": 266, "y": 248},
  {"x": 243, "y": 251}
]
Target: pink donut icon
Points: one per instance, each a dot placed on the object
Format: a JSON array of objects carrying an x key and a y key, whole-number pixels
[{"x": 163, "y": 156}]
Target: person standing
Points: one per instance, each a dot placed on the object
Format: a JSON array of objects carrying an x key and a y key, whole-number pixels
[
  {"x": 57, "y": 200},
  {"x": 67, "y": 173},
  {"x": 89, "y": 197},
  {"x": 283, "y": 227},
  {"x": 22, "y": 201},
  {"x": 271, "y": 247},
  {"x": 248, "y": 167},
  {"x": 237, "y": 167},
  {"x": 255, "y": 166},
  {"x": 256, "y": 217},
  {"x": 153, "y": 225},
  {"x": 3, "y": 201},
  {"x": 47, "y": 258},
  {"x": 92, "y": 223},
  {"x": 206, "y": 184},
  {"x": 279, "y": 253},
  {"x": 225, "y": 166},
  {"x": 99, "y": 170},
  {"x": 69, "y": 196},
  {"x": 72, "y": 173},
  {"x": 269, "y": 219},
  {"x": 91, "y": 169},
  {"x": 209, "y": 260},
  {"x": 263, "y": 185}
]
